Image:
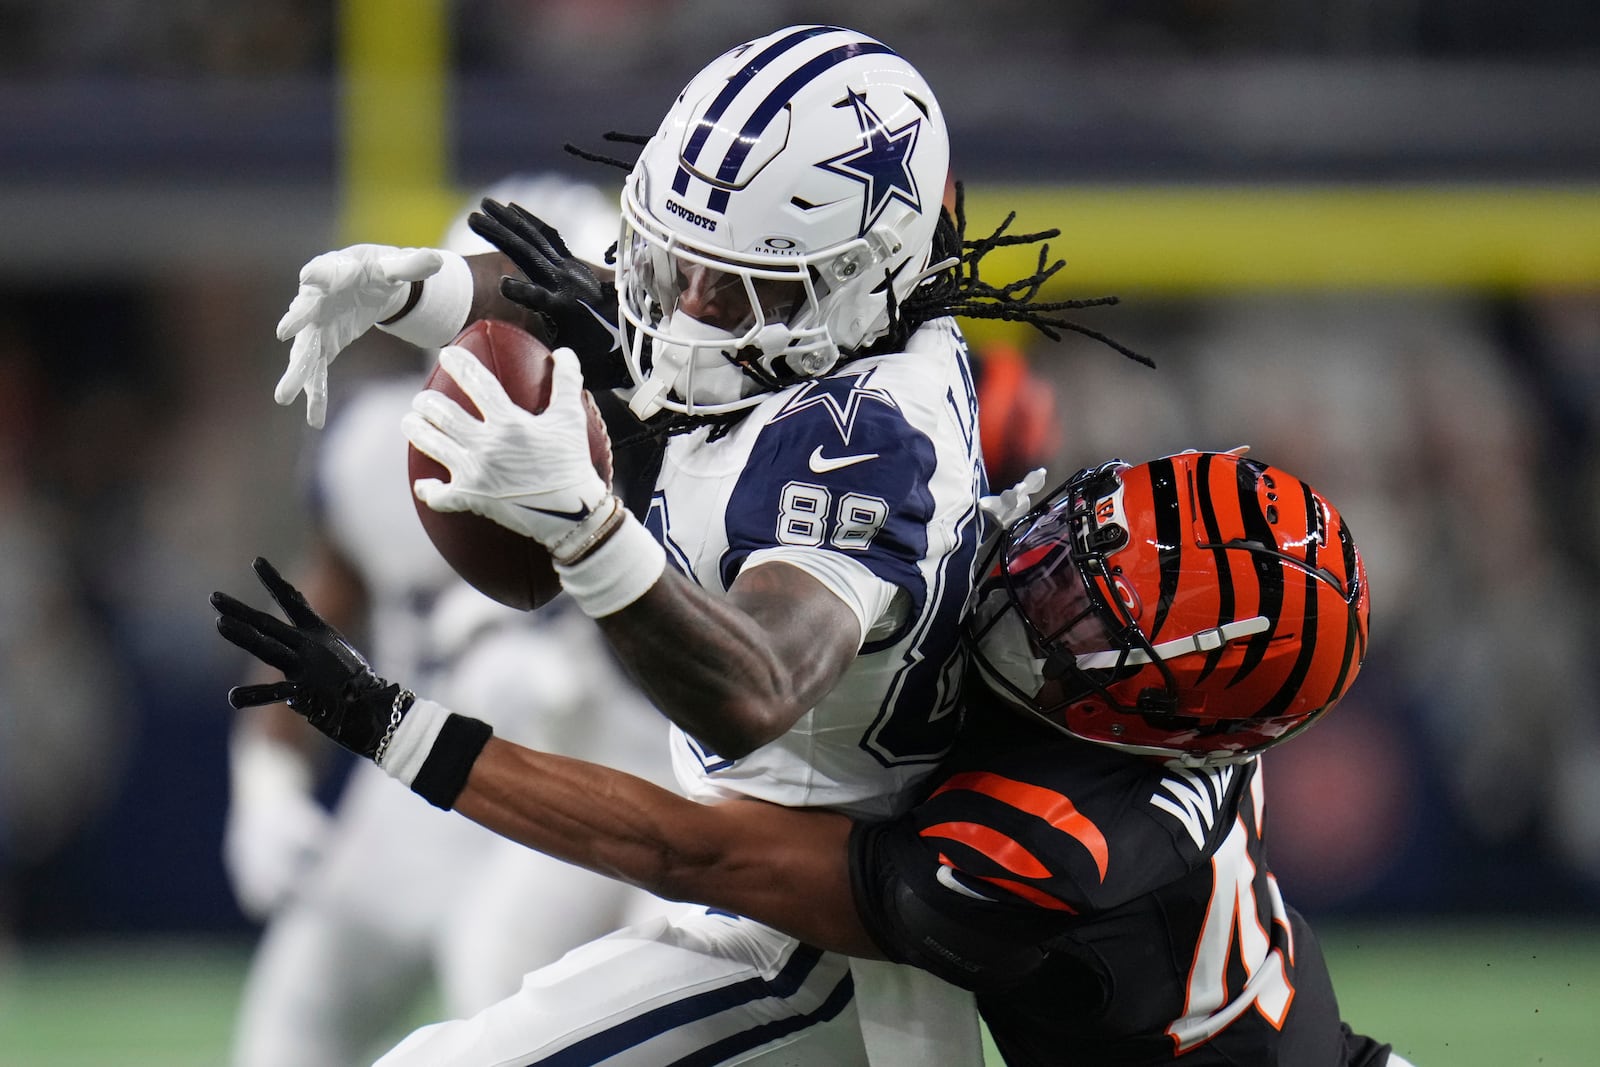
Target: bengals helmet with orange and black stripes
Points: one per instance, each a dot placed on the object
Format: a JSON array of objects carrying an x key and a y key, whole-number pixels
[{"x": 1201, "y": 607}]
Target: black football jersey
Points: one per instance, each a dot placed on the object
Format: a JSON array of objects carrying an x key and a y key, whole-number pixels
[{"x": 1106, "y": 908}]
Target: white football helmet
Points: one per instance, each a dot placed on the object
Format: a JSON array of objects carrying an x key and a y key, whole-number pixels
[{"x": 795, "y": 180}]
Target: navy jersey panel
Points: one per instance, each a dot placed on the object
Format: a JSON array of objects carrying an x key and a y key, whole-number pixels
[{"x": 839, "y": 468}]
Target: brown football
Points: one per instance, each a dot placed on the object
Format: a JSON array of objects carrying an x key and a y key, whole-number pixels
[{"x": 498, "y": 562}]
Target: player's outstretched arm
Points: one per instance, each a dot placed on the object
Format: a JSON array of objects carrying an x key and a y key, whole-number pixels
[
  {"x": 422, "y": 295},
  {"x": 786, "y": 867}
]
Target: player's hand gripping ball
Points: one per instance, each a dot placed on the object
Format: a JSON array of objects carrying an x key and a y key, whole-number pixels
[{"x": 501, "y": 563}]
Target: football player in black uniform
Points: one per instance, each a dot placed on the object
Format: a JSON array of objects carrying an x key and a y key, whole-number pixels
[
  {"x": 1111, "y": 901},
  {"x": 1090, "y": 861}
]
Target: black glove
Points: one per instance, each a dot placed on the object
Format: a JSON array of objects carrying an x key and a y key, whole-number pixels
[
  {"x": 580, "y": 308},
  {"x": 325, "y": 678}
]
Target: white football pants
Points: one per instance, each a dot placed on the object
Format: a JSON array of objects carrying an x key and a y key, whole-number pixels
[{"x": 703, "y": 988}]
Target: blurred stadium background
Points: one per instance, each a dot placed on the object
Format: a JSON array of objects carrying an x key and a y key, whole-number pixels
[{"x": 1362, "y": 237}]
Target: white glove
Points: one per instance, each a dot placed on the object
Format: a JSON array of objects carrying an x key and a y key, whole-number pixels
[
  {"x": 1011, "y": 504},
  {"x": 342, "y": 295},
  {"x": 275, "y": 829},
  {"x": 529, "y": 473}
]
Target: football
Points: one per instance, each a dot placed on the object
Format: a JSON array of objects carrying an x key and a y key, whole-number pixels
[{"x": 500, "y": 563}]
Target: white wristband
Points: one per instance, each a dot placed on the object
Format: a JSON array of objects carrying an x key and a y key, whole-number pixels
[
  {"x": 621, "y": 570},
  {"x": 441, "y": 311},
  {"x": 413, "y": 739}
]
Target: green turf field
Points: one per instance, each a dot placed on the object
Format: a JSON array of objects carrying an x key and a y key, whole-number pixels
[{"x": 1447, "y": 996}]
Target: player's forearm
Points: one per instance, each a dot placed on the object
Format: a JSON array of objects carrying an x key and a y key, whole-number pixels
[
  {"x": 607, "y": 821},
  {"x": 488, "y": 303},
  {"x": 781, "y": 866},
  {"x": 735, "y": 672}
]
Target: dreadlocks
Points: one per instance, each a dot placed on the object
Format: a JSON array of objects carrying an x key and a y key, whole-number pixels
[{"x": 959, "y": 290}]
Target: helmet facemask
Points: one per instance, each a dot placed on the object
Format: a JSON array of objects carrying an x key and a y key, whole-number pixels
[
  {"x": 710, "y": 332},
  {"x": 1054, "y": 587}
]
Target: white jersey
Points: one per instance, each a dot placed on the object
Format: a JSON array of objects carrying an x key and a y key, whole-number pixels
[{"x": 867, "y": 479}]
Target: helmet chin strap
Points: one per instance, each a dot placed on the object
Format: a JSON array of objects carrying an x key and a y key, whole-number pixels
[{"x": 700, "y": 371}]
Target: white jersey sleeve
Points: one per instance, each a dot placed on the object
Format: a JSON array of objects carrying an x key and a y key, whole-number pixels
[{"x": 868, "y": 479}]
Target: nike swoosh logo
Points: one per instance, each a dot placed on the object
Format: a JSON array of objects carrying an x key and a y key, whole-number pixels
[
  {"x": 572, "y": 516},
  {"x": 610, "y": 327},
  {"x": 946, "y": 877},
  {"x": 821, "y": 464}
]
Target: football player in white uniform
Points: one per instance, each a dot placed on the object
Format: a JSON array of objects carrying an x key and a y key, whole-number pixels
[
  {"x": 369, "y": 905},
  {"x": 790, "y": 597}
]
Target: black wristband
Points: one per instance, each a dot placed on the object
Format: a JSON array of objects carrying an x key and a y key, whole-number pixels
[
  {"x": 444, "y": 773},
  {"x": 413, "y": 295}
]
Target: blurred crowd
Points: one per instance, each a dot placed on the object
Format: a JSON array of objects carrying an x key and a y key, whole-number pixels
[
  {"x": 104, "y": 38},
  {"x": 144, "y": 465}
]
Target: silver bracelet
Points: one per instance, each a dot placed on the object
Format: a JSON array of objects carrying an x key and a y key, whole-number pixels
[
  {"x": 567, "y": 556},
  {"x": 397, "y": 711}
]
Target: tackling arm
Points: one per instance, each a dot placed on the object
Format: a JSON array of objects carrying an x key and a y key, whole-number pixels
[{"x": 786, "y": 867}]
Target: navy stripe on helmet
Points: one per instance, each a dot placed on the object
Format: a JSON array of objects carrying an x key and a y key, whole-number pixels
[
  {"x": 734, "y": 86},
  {"x": 775, "y": 102},
  {"x": 692, "y": 1009}
]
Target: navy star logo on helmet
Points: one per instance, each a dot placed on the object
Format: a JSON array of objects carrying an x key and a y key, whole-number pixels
[{"x": 882, "y": 163}]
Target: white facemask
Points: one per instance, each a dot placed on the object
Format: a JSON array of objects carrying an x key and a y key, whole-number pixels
[{"x": 696, "y": 367}]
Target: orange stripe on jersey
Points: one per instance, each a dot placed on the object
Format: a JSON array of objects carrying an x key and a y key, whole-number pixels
[
  {"x": 1047, "y": 804},
  {"x": 993, "y": 844}
]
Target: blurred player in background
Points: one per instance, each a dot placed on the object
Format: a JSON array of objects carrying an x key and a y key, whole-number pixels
[
  {"x": 1090, "y": 860},
  {"x": 782, "y": 324},
  {"x": 369, "y": 906}
]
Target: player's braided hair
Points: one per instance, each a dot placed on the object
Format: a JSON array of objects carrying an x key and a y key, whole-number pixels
[
  {"x": 958, "y": 289},
  {"x": 962, "y": 292}
]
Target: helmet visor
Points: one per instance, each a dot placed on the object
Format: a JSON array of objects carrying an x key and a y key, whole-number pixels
[
  {"x": 1073, "y": 605},
  {"x": 1063, "y": 606},
  {"x": 668, "y": 278}
]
